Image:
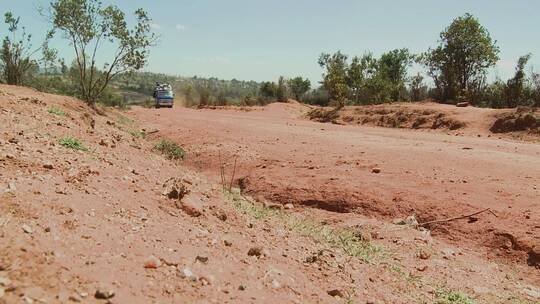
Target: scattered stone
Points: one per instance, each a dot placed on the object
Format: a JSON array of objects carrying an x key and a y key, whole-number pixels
[
  {"x": 462, "y": 104},
  {"x": 48, "y": 165},
  {"x": 152, "y": 262},
  {"x": 201, "y": 259},
  {"x": 289, "y": 206},
  {"x": 188, "y": 274},
  {"x": 227, "y": 243},
  {"x": 376, "y": 170},
  {"x": 27, "y": 229},
  {"x": 221, "y": 215},
  {"x": 191, "y": 206},
  {"x": 11, "y": 187},
  {"x": 10, "y": 156},
  {"x": 175, "y": 188},
  {"x": 276, "y": 284},
  {"x": 335, "y": 293},
  {"x": 409, "y": 221},
  {"x": 104, "y": 293},
  {"x": 242, "y": 287},
  {"x": 424, "y": 254},
  {"x": 421, "y": 268},
  {"x": 255, "y": 251}
]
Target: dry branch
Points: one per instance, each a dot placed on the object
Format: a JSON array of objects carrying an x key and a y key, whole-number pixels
[{"x": 457, "y": 217}]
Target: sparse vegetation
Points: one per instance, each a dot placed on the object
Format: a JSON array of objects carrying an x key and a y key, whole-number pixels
[
  {"x": 170, "y": 149},
  {"x": 56, "y": 111},
  {"x": 342, "y": 239},
  {"x": 453, "y": 297},
  {"x": 72, "y": 143}
]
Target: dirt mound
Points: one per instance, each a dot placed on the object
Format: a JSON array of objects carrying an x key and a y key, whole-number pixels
[
  {"x": 522, "y": 119},
  {"x": 390, "y": 116}
]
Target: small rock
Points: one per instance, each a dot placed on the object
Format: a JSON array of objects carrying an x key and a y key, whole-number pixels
[
  {"x": 201, "y": 259},
  {"x": 188, "y": 274},
  {"x": 255, "y": 251},
  {"x": 242, "y": 287},
  {"x": 221, "y": 215},
  {"x": 191, "y": 206},
  {"x": 462, "y": 104},
  {"x": 376, "y": 170},
  {"x": 152, "y": 262},
  {"x": 26, "y": 228},
  {"x": 227, "y": 243},
  {"x": 104, "y": 293},
  {"x": 48, "y": 165},
  {"x": 422, "y": 268},
  {"x": 424, "y": 254},
  {"x": 276, "y": 284},
  {"x": 10, "y": 156},
  {"x": 289, "y": 206},
  {"x": 335, "y": 293}
]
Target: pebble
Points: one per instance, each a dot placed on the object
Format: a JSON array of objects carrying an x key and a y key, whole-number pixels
[
  {"x": 104, "y": 293},
  {"x": 424, "y": 255},
  {"x": 376, "y": 170},
  {"x": 26, "y": 228},
  {"x": 289, "y": 206},
  {"x": 48, "y": 165},
  {"x": 188, "y": 274},
  {"x": 335, "y": 293},
  {"x": 152, "y": 262},
  {"x": 255, "y": 251}
]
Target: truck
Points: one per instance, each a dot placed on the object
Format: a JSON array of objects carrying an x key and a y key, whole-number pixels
[{"x": 163, "y": 95}]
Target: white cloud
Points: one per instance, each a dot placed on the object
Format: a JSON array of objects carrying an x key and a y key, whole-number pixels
[
  {"x": 155, "y": 26},
  {"x": 181, "y": 27}
]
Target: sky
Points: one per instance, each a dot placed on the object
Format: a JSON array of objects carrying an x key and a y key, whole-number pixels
[{"x": 261, "y": 40}]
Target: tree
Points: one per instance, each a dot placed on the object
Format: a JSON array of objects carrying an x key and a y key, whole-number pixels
[
  {"x": 335, "y": 76},
  {"x": 268, "y": 90},
  {"x": 514, "y": 92},
  {"x": 359, "y": 71},
  {"x": 16, "y": 52},
  {"x": 299, "y": 87},
  {"x": 418, "y": 89},
  {"x": 281, "y": 92},
  {"x": 459, "y": 64},
  {"x": 89, "y": 26},
  {"x": 392, "y": 67}
]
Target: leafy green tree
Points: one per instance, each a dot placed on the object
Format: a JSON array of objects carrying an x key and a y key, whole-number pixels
[
  {"x": 515, "y": 91},
  {"x": 299, "y": 87},
  {"x": 268, "y": 90},
  {"x": 358, "y": 72},
  {"x": 281, "y": 92},
  {"x": 417, "y": 89},
  {"x": 16, "y": 52},
  {"x": 335, "y": 76},
  {"x": 89, "y": 26},
  {"x": 459, "y": 64},
  {"x": 392, "y": 67}
]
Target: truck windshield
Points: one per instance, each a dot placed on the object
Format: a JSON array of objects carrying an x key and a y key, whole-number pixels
[{"x": 165, "y": 94}]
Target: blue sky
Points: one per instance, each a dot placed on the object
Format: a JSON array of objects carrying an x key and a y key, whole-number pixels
[{"x": 260, "y": 40}]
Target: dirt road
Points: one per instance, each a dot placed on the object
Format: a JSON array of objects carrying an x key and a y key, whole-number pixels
[{"x": 433, "y": 175}]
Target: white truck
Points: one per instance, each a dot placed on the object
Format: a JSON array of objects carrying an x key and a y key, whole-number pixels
[{"x": 163, "y": 95}]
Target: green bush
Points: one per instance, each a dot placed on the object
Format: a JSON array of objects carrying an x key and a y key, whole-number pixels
[
  {"x": 170, "y": 149},
  {"x": 56, "y": 111},
  {"x": 72, "y": 143}
]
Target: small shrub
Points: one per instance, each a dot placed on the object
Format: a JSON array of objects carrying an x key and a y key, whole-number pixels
[
  {"x": 170, "y": 149},
  {"x": 56, "y": 111},
  {"x": 446, "y": 297},
  {"x": 72, "y": 143}
]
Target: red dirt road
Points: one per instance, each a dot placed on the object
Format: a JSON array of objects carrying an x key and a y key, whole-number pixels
[{"x": 287, "y": 159}]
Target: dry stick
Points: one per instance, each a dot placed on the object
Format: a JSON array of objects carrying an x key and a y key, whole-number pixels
[
  {"x": 233, "y": 173},
  {"x": 222, "y": 171},
  {"x": 457, "y": 217}
]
